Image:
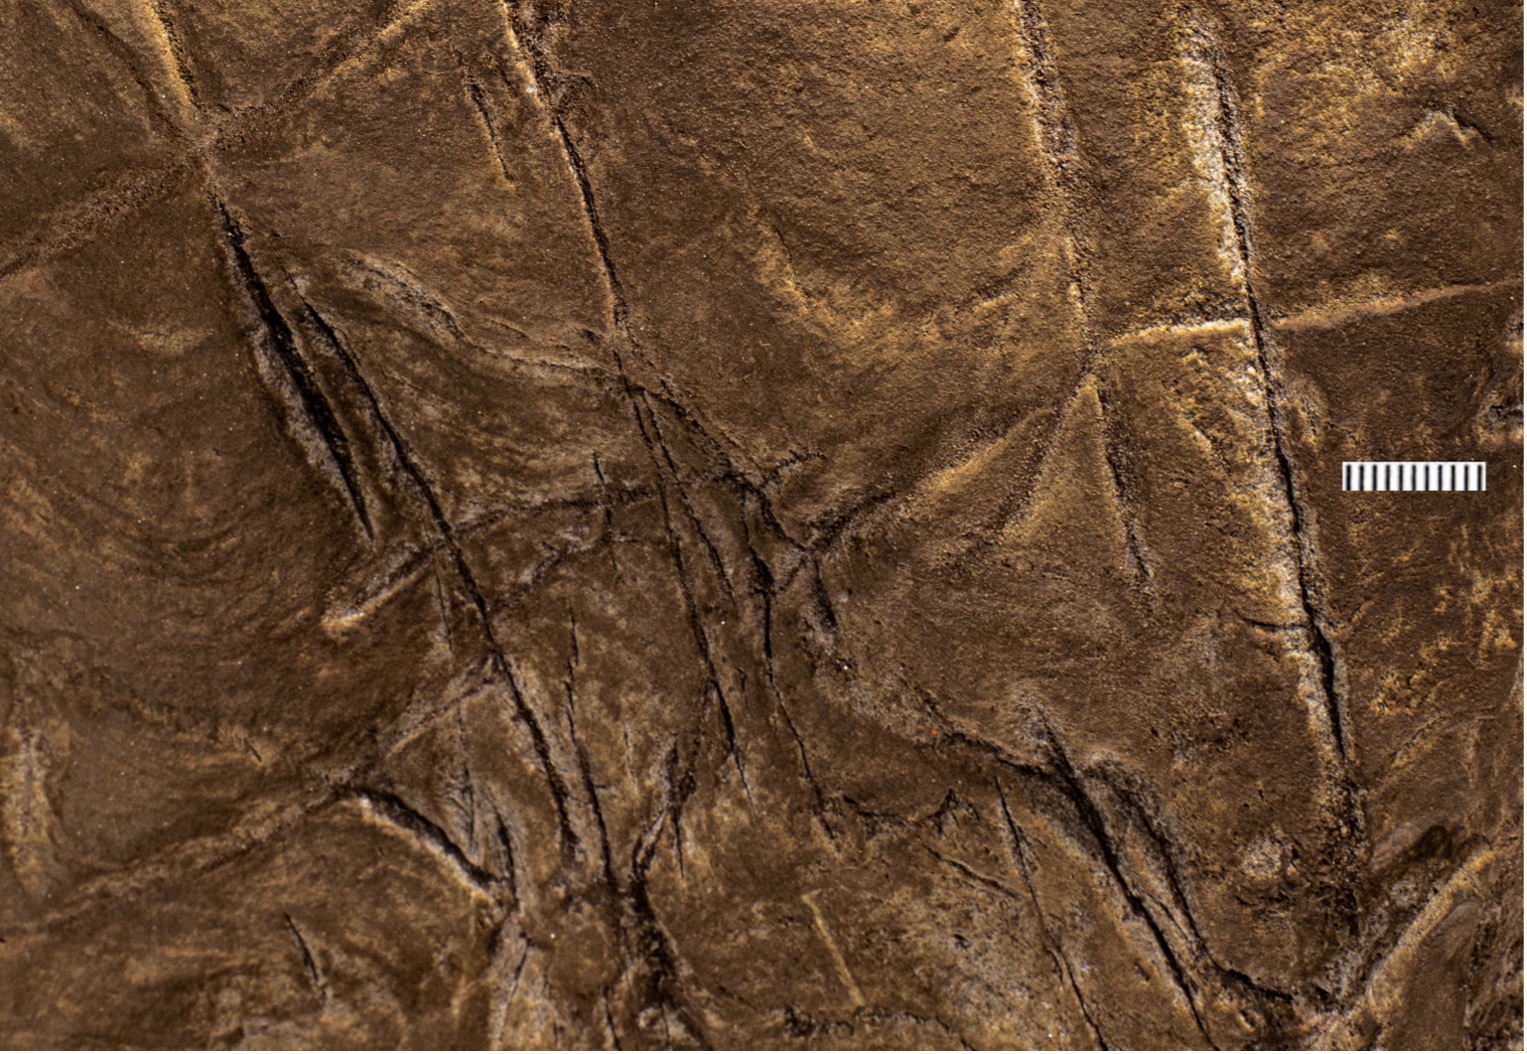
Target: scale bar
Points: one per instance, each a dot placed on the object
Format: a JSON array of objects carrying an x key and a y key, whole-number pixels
[{"x": 1412, "y": 475}]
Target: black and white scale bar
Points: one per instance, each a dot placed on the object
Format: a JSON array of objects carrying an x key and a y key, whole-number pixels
[{"x": 1412, "y": 475}]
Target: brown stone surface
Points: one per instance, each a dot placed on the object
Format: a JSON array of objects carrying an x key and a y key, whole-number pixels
[{"x": 785, "y": 523}]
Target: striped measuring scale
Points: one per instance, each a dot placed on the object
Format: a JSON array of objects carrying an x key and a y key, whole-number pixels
[{"x": 1412, "y": 475}]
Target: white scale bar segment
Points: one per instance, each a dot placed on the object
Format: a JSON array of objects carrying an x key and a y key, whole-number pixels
[{"x": 1412, "y": 475}]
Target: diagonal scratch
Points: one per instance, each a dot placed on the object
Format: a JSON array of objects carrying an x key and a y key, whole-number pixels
[
  {"x": 497, "y": 655},
  {"x": 856, "y": 997},
  {"x": 526, "y": 42},
  {"x": 1018, "y": 849},
  {"x": 397, "y": 813},
  {"x": 480, "y": 104},
  {"x": 279, "y": 338},
  {"x": 175, "y": 54},
  {"x": 309, "y": 964}
]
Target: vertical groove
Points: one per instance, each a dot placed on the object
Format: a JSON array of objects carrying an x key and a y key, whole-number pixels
[
  {"x": 1228, "y": 133},
  {"x": 1058, "y": 142}
]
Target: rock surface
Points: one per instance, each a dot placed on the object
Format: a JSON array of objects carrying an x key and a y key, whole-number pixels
[{"x": 787, "y": 523}]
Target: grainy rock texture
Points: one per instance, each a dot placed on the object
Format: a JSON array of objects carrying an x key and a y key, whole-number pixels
[{"x": 786, "y": 523}]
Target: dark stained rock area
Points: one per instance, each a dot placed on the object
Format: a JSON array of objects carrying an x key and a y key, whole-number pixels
[{"x": 758, "y": 523}]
